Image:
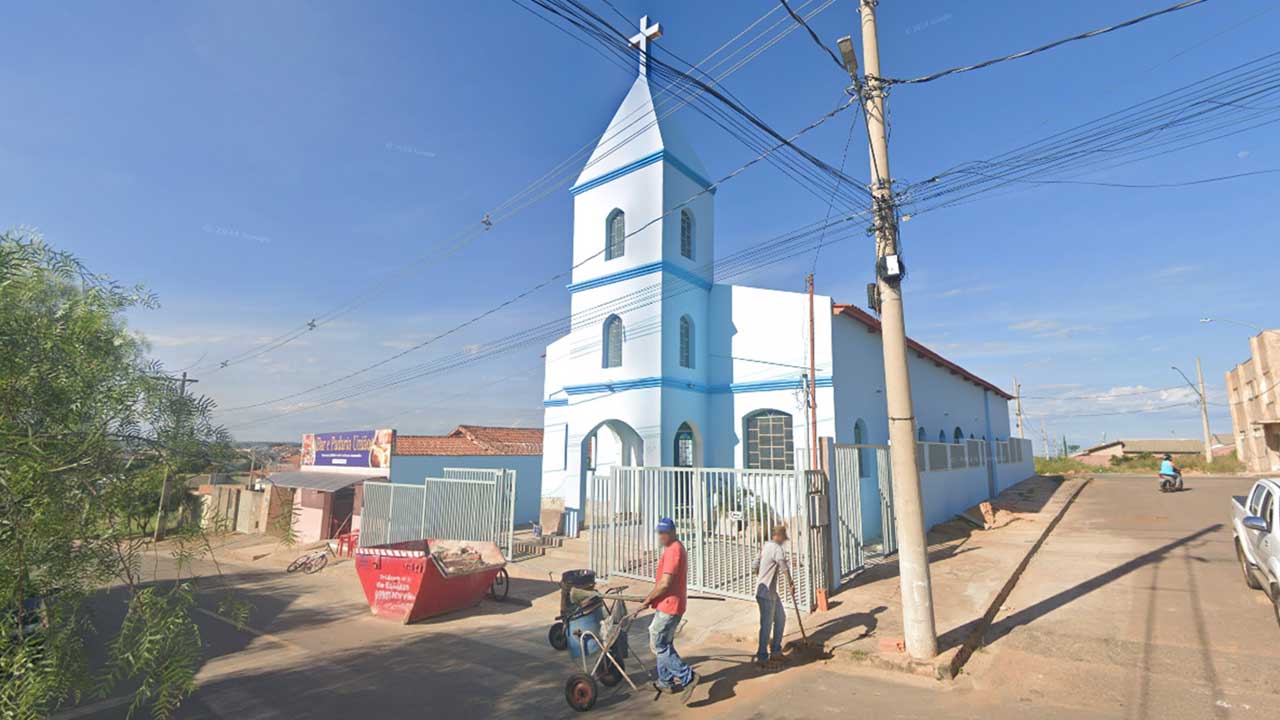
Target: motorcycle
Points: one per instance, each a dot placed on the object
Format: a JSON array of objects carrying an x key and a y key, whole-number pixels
[{"x": 1171, "y": 484}]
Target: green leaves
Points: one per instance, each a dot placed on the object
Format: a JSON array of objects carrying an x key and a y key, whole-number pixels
[{"x": 90, "y": 429}]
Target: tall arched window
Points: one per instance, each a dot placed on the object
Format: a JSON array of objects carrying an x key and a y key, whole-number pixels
[
  {"x": 864, "y": 456},
  {"x": 612, "y": 342},
  {"x": 769, "y": 443},
  {"x": 686, "y": 233},
  {"x": 684, "y": 446},
  {"x": 615, "y": 244},
  {"x": 920, "y": 434},
  {"x": 686, "y": 341},
  {"x": 959, "y": 436}
]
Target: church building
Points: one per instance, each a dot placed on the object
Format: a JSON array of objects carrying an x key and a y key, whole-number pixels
[{"x": 664, "y": 366}]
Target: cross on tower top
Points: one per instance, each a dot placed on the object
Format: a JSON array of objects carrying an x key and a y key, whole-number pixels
[{"x": 641, "y": 40}]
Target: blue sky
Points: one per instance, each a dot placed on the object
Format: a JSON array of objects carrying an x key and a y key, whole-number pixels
[{"x": 257, "y": 164}]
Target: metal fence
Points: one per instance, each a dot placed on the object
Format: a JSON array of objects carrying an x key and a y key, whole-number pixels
[
  {"x": 857, "y": 470},
  {"x": 724, "y": 515},
  {"x": 466, "y": 504}
]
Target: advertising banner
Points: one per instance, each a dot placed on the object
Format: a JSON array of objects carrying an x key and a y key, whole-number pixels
[{"x": 354, "y": 448}]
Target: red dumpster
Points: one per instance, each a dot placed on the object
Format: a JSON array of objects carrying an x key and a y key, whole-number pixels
[{"x": 409, "y": 581}]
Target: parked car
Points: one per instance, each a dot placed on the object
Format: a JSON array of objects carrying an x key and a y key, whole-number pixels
[{"x": 1255, "y": 521}]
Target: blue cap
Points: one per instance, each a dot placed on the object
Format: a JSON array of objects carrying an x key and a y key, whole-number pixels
[{"x": 666, "y": 525}]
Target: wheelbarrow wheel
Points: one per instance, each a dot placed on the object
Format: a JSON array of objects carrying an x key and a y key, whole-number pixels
[
  {"x": 501, "y": 585},
  {"x": 580, "y": 691},
  {"x": 557, "y": 637},
  {"x": 608, "y": 675}
]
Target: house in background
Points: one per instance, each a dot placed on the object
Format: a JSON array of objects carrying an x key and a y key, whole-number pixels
[
  {"x": 417, "y": 457},
  {"x": 1102, "y": 454},
  {"x": 324, "y": 495}
]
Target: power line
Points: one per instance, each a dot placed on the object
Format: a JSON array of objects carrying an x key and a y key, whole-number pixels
[
  {"x": 1027, "y": 53},
  {"x": 1101, "y": 396},
  {"x": 545, "y": 283},
  {"x": 537, "y": 190},
  {"x": 817, "y": 41}
]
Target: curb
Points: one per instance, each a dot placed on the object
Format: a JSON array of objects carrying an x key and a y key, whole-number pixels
[{"x": 974, "y": 640}]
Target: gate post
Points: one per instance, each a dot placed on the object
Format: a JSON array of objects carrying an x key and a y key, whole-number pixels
[{"x": 697, "y": 492}]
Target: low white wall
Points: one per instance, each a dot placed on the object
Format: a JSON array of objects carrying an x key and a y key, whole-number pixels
[{"x": 948, "y": 493}]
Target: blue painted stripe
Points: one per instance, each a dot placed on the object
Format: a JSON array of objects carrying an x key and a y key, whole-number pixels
[
  {"x": 654, "y": 382},
  {"x": 634, "y": 165},
  {"x": 628, "y": 274},
  {"x": 555, "y": 402},
  {"x": 641, "y": 271}
]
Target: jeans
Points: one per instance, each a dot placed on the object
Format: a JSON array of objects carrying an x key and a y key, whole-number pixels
[
  {"x": 672, "y": 671},
  {"x": 773, "y": 617}
]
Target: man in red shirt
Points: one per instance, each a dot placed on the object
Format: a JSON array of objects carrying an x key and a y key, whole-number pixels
[{"x": 668, "y": 598}]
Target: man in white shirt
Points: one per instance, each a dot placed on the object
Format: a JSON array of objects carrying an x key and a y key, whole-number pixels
[{"x": 773, "y": 617}]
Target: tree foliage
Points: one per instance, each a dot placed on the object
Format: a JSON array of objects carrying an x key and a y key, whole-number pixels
[{"x": 90, "y": 433}]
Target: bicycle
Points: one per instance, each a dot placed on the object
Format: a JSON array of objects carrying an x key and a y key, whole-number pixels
[{"x": 312, "y": 562}]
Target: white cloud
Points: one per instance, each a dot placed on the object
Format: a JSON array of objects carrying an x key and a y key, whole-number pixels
[
  {"x": 1242, "y": 154},
  {"x": 1052, "y": 328},
  {"x": 1174, "y": 271}
]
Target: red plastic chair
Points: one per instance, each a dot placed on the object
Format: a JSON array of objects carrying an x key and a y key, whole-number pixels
[{"x": 348, "y": 542}]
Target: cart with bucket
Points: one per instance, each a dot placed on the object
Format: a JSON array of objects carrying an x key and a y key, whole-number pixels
[{"x": 417, "y": 579}]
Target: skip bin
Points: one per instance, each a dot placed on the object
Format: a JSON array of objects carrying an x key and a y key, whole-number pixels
[{"x": 409, "y": 581}]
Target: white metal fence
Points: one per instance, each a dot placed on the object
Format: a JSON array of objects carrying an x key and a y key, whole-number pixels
[
  {"x": 861, "y": 473},
  {"x": 465, "y": 504},
  {"x": 723, "y": 515}
]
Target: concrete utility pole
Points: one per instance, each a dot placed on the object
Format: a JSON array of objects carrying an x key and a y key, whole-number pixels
[
  {"x": 913, "y": 556},
  {"x": 813, "y": 387},
  {"x": 1017, "y": 397},
  {"x": 1204, "y": 415},
  {"x": 1044, "y": 433}
]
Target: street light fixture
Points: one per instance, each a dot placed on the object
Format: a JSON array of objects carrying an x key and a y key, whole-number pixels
[{"x": 1207, "y": 320}]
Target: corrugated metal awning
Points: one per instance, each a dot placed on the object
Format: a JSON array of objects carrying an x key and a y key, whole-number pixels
[{"x": 322, "y": 481}]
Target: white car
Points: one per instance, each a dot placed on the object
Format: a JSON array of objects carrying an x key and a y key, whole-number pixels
[{"x": 1255, "y": 521}]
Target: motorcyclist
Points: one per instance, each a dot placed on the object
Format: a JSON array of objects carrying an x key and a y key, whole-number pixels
[{"x": 1169, "y": 471}]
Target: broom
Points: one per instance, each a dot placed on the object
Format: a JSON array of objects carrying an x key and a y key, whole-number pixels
[{"x": 814, "y": 650}]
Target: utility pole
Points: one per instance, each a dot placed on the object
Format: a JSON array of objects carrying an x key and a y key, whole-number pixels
[
  {"x": 1044, "y": 433},
  {"x": 913, "y": 558},
  {"x": 164, "y": 483},
  {"x": 1204, "y": 415},
  {"x": 813, "y": 387},
  {"x": 1017, "y": 398}
]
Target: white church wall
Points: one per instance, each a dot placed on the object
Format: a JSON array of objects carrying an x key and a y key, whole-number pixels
[{"x": 760, "y": 349}]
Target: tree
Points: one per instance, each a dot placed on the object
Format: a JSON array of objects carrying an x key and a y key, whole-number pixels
[{"x": 89, "y": 427}]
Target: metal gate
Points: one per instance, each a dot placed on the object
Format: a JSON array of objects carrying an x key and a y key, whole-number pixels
[
  {"x": 466, "y": 504},
  {"x": 724, "y": 515},
  {"x": 864, "y": 525}
]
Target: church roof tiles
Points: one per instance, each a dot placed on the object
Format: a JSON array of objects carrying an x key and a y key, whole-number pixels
[{"x": 473, "y": 440}]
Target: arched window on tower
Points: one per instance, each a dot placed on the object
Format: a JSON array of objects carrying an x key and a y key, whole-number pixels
[
  {"x": 686, "y": 341},
  {"x": 612, "y": 342},
  {"x": 684, "y": 448},
  {"x": 686, "y": 233},
  {"x": 615, "y": 244}
]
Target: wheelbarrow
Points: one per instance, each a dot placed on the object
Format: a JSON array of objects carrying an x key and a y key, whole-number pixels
[
  {"x": 601, "y": 647},
  {"x": 417, "y": 579}
]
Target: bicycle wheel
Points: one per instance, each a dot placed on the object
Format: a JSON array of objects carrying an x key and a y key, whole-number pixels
[
  {"x": 317, "y": 563},
  {"x": 298, "y": 564}
]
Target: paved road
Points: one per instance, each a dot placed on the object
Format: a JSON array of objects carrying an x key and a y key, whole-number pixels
[
  {"x": 1135, "y": 608},
  {"x": 1132, "y": 609}
]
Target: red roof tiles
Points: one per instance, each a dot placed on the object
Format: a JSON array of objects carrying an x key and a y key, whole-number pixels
[{"x": 473, "y": 440}]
